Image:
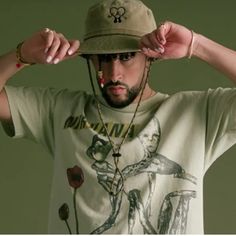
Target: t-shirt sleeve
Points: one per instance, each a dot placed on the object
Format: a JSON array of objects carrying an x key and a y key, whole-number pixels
[
  {"x": 220, "y": 123},
  {"x": 32, "y": 111}
]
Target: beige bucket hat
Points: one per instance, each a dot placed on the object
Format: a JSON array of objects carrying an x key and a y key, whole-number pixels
[{"x": 116, "y": 26}]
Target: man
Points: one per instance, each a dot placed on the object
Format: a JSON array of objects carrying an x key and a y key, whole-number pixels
[{"x": 121, "y": 160}]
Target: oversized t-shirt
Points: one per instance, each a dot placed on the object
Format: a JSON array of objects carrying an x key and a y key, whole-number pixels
[{"x": 157, "y": 184}]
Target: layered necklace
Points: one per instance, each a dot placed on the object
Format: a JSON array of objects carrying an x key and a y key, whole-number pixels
[{"x": 118, "y": 186}]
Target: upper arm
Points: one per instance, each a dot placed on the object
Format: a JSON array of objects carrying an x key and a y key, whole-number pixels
[{"x": 5, "y": 113}]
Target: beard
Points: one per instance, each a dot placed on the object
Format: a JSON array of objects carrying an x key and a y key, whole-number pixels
[{"x": 132, "y": 93}]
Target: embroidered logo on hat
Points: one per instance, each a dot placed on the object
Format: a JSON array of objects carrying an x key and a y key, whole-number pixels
[{"x": 117, "y": 13}]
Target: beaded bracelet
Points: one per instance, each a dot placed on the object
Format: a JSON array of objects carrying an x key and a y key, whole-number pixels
[{"x": 19, "y": 58}]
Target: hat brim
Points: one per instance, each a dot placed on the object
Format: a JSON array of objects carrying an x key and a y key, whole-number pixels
[{"x": 109, "y": 44}]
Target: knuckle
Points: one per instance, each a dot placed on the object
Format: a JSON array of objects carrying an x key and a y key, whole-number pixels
[
  {"x": 61, "y": 35},
  {"x": 74, "y": 44},
  {"x": 77, "y": 41},
  {"x": 60, "y": 56},
  {"x": 56, "y": 42},
  {"x": 65, "y": 43},
  {"x": 46, "y": 30}
]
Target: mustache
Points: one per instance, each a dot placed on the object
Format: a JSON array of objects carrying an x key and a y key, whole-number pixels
[{"x": 117, "y": 83}]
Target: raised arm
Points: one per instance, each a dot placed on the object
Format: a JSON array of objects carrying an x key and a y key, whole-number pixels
[
  {"x": 44, "y": 47},
  {"x": 173, "y": 41}
]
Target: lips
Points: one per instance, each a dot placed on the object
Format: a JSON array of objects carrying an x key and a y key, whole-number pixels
[{"x": 116, "y": 90}]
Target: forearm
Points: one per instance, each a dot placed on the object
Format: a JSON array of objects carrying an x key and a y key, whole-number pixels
[
  {"x": 216, "y": 55},
  {"x": 8, "y": 67}
]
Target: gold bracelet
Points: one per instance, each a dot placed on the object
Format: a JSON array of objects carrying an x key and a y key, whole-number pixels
[{"x": 21, "y": 61}]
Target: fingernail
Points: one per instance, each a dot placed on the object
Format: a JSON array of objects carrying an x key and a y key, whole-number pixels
[
  {"x": 46, "y": 50},
  {"x": 56, "y": 61},
  {"x": 70, "y": 52},
  {"x": 162, "y": 41},
  {"x": 145, "y": 49},
  {"x": 49, "y": 59},
  {"x": 160, "y": 50}
]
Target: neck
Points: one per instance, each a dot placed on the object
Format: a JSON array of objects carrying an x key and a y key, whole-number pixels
[{"x": 148, "y": 93}]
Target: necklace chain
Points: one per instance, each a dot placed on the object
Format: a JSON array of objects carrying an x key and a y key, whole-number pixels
[{"x": 116, "y": 150}]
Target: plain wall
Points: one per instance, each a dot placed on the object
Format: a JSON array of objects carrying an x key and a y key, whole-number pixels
[{"x": 26, "y": 169}]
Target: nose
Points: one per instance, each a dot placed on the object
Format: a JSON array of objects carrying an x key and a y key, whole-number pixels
[
  {"x": 115, "y": 70},
  {"x": 150, "y": 138}
]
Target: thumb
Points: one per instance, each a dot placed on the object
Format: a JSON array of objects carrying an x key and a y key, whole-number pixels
[{"x": 48, "y": 36}]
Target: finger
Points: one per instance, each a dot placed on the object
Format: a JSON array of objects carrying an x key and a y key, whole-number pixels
[
  {"x": 153, "y": 39},
  {"x": 161, "y": 34},
  {"x": 48, "y": 36},
  {"x": 156, "y": 45},
  {"x": 148, "y": 48},
  {"x": 52, "y": 50},
  {"x": 144, "y": 42},
  {"x": 62, "y": 50},
  {"x": 74, "y": 47},
  {"x": 162, "y": 31},
  {"x": 151, "y": 53}
]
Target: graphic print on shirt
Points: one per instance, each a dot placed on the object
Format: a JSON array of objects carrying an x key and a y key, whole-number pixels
[
  {"x": 173, "y": 213},
  {"x": 180, "y": 217}
]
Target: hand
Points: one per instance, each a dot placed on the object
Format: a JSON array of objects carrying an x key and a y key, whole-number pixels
[
  {"x": 168, "y": 41},
  {"x": 48, "y": 47}
]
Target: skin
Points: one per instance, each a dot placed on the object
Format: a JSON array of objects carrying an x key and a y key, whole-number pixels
[
  {"x": 123, "y": 80},
  {"x": 168, "y": 41}
]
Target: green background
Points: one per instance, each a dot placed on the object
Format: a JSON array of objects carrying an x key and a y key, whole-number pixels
[{"x": 26, "y": 169}]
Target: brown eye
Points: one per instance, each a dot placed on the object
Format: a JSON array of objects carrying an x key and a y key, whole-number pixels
[{"x": 124, "y": 57}]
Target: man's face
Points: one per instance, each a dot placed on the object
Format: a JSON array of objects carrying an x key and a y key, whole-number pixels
[
  {"x": 123, "y": 74},
  {"x": 150, "y": 142}
]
